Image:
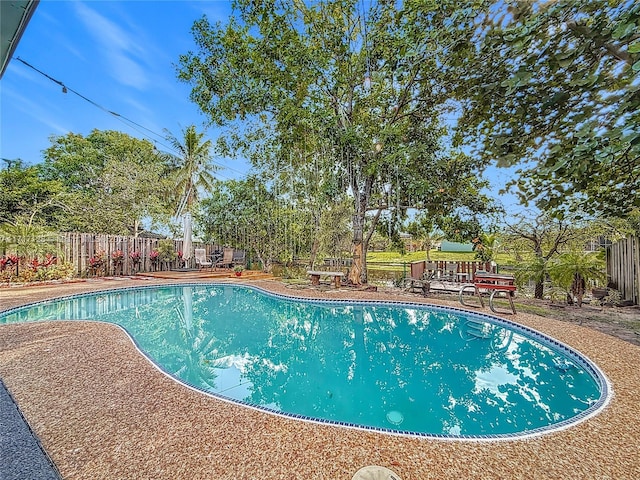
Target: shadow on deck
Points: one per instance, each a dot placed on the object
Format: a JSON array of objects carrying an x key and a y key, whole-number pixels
[{"x": 208, "y": 274}]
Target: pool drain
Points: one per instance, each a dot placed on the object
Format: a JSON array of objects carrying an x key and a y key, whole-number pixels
[
  {"x": 374, "y": 472},
  {"x": 395, "y": 417}
]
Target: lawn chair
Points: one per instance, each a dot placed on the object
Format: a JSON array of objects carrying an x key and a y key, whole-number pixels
[
  {"x": 450, "y": 270},
  {"x": 418, "y": 280},
  {"x": 431, "y": 271},
  {"x": 227, "y": 259},
  {"x": 201, "y": 258},
  {"x": 239, "y": 258}
]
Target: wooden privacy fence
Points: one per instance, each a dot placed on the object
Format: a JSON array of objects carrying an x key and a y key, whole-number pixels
[
  {"x": 623, "y": 268},
  {"x": 79, "y": 248}
]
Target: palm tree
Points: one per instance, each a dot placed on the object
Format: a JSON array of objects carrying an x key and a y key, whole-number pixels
[
  {"x": 534, "y": 269},
  {"x": 574, "y": 270},
  {"x": 423, "y": 230},
  {"x": 193, "y": 167}
]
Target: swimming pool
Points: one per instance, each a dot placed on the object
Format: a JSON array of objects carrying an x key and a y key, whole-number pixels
[{"x": 395, "y": 367}]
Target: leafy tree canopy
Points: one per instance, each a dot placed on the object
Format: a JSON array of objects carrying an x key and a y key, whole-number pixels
[
  {"x": 554, "y": 87},
  {"x": 113, "y": 180},
  {"x": 26, "y": 197},
  {"x": 363, "y": 88}
]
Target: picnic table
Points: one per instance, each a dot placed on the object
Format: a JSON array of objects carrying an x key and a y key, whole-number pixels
[
  {"x": 494, "y": 283},
  {"x": 336, "y": 277}
]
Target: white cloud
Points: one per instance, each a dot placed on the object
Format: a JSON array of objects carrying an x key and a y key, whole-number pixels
[
  {"x": 36, "y": 110},
  {"x": 124, "y": 52}
]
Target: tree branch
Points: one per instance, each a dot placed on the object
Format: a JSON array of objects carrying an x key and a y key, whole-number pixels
[{"x": 585, "y": 32}]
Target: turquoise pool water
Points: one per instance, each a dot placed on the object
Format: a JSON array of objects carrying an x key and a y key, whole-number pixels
[{"x": 400, "y": 367}]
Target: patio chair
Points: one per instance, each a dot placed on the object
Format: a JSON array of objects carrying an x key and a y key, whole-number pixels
[
  {"x": 431, "y": 271},
  {"x": 201, "y": 258},
  {"x": 239, "y": 257},
  {"x": 227, "y": 259},
  {"x": 450, "y": 270},
  {"x": 418, "y": 279}
]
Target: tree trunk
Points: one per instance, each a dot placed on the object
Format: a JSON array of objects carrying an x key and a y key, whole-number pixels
[
  {"x": 578, "y": 288},
  {"x": 263, "y": 259},
  {"x": 315, "y": 246},
  {"x": 539, "y": 290},
  {"x": 358, "y": 271}
]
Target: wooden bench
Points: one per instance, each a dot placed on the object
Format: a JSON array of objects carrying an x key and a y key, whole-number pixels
[
  {"x": 336, "y": 277},
  {"x": 494, "y": 283}
]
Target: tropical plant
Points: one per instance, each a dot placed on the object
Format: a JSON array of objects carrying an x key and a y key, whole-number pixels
[
  {"x": 26, "y": 240},
  {"x": 485, "y": 246},
  {"x": 535, "y": 269},
  {"x": 192, "y": 167},
  {"x": 537, "y": 238},
  {"x": 97, "y": 262},
  {"x": 135, "y": 257},
  {"x": 117, "y": 257},
  {"x": 166, "y": 250},
  {"x": 576, "y": 270}
]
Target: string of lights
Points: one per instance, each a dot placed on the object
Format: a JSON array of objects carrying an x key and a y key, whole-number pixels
[{"x": 141, "y": 129}]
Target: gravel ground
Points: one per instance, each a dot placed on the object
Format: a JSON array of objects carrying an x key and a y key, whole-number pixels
[{"x": 102, "y": 411}]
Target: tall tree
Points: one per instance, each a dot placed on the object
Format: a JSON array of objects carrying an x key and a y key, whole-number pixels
[
  {"x": 553, "y": 87},
  {"x": 113, "y": 180},
  {"x": 192, "y": 165},
  {"x": 538, "y": 239},
  {"x": 363, "y": 86},
  {"x": 26, "y": 197}
]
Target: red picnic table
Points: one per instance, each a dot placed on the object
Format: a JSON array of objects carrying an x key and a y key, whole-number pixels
[{"x": 494, "y": 283}]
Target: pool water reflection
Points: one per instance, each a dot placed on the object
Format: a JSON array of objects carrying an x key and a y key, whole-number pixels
[{"x": 423, "y": 370}]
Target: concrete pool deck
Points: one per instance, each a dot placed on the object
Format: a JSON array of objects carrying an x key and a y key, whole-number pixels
[{"x": 102, "y": 411}]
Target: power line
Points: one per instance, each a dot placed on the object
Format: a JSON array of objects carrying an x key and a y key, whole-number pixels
[{"x": 130, "y": 123}]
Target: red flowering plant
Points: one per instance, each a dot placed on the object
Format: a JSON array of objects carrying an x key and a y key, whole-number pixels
[
  {"x": 154, "y": 256},
  {"x": 135, "y": 257},
  {"x": 34, "y": 264},
  {"x": 97, "y": 260},
  {"x": 49, "y": 259},
  {"x": 117, "y": 257}
]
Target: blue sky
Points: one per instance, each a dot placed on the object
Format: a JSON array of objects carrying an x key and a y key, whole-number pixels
[{"x": 120, "y": 55}]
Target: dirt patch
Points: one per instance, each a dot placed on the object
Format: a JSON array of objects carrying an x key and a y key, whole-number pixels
[{"x": 620, "y": 322}]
